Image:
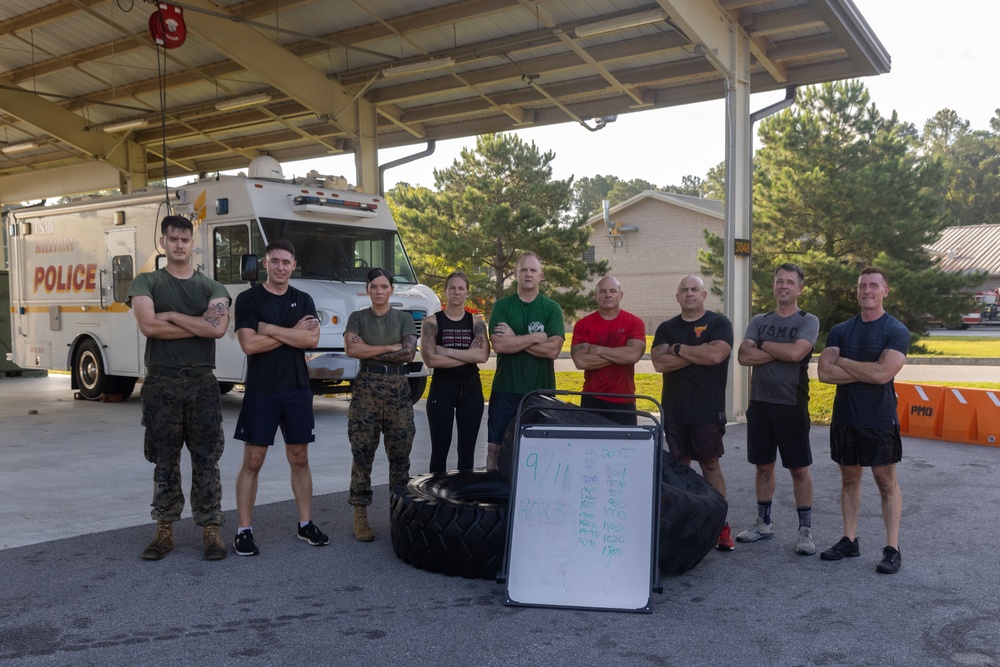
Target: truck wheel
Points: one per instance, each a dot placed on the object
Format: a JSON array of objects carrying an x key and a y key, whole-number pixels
[
  {"x": 88, "y": 370},
  {"x": 226, "y": 387},
  {"x": 417, "y": 387},
  {"x": 453, "y": 522}
]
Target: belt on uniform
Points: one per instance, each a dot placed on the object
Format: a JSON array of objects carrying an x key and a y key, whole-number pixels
[
  {"x": 383, "y": 369},
  {"x": 190, "y": 372}
]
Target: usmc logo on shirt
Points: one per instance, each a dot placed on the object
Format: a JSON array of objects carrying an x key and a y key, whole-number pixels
[{"x": 535, "y": 327}]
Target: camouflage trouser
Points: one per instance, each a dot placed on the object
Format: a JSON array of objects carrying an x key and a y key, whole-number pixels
[
  {"x": 177, "y": 411},
  {"x": 381, "y": 405}
]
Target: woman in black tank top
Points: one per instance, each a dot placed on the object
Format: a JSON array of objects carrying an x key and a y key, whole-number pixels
[{"x": 454, "y": 342}]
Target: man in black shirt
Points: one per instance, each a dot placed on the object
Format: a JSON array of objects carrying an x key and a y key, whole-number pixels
[
  {"x": 692, "y": 351},
  {"x": 275, "y": 322}
]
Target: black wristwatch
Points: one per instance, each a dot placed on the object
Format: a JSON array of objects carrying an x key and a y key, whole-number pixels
[{"x": 677, "y": 349}]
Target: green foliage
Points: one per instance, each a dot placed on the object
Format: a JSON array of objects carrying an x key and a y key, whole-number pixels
[
  {"x": 492, "y": 204},
  {"x": 714, "y": 185},
  {"x": 972, "y": 164},
  {"x": 712, "y": 261},
  {"x": 589, "y": 193},
  {"x": 838, "y": 187}
]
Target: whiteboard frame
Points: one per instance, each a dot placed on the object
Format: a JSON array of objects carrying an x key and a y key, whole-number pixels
[{"x": 649, "y": 438}]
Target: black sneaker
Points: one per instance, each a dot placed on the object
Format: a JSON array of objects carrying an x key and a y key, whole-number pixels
[
  {"x": 313, "y": 535},
  {"x": 891, "y": 561},
  {"x": 845, "y": 548},
  {"x": 244, "y": 544}
]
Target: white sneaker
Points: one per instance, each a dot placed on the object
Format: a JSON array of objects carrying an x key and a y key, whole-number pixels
[
  {"x": 757, "y": 531},
  {"x": 805, "y": 545}
]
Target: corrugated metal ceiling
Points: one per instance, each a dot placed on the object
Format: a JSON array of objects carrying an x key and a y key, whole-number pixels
[{"x": 511, "y": 58}]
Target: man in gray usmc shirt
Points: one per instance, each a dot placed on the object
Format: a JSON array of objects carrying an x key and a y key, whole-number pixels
[{"x": 778, "y": 345}]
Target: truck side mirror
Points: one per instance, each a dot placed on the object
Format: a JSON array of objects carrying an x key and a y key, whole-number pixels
[
  {"x": 161, "y": 261},
  {"x": 248, "y": 267}
]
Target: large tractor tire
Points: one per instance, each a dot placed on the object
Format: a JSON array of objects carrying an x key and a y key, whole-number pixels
[
  {"x": 692, "y": 513},
  {"x": 454, "y": 523}
]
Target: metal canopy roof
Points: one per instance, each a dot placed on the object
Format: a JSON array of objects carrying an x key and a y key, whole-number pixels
[{"x": 326, "y": 74}]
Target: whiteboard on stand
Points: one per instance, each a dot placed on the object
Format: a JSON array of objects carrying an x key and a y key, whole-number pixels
[{"x": 583, "y": 517}]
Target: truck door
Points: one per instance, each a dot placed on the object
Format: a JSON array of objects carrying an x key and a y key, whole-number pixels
[
  {"x": 229, "y": 243},
  {"x": 123, "y": 332}
]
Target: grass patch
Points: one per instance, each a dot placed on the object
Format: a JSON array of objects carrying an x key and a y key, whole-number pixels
[
  {"x": 650, "y": 384},
  {"x": 959, "y": 346},
  {"x": 932, "y": 346}
]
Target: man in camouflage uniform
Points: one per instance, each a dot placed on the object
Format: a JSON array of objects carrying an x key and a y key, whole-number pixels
[
  {"x": 385, "y": 340},
  {"x": 181, "y": 312}
]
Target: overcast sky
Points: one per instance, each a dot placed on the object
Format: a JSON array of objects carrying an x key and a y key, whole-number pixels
[{"x": 940, "y": 58}]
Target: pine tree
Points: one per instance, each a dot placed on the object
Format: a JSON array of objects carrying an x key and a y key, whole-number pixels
[
  {"x": 837, "y": 187},
  {"x": 492, "y": 204}
]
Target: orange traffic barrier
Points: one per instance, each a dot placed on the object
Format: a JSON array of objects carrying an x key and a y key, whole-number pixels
[
  {"x": 971, "y": 415},
  {"x": 920, "y": 409},
  {"x": 955, "y": 414}
]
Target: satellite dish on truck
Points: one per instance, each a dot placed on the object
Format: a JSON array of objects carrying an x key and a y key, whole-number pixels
[{"x": 266, "y": 167}]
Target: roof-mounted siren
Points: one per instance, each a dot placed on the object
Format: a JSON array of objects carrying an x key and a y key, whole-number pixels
[
  {"x": 265, "y": 167},
  {"x": 616, "y": 232}
]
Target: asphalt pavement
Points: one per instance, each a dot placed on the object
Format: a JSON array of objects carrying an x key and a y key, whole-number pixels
[{"x": 74, "y": 497}]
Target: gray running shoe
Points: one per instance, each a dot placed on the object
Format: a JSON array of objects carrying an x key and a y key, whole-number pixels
[
  {"x": 758, "y": 530},
  {"x": 805, "y": 545}
]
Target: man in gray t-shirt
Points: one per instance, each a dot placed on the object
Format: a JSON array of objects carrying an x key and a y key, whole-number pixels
[{"x": 778, "y": 345}]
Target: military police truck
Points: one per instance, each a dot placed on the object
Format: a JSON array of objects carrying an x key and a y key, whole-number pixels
[{"x": 71, "y": 266}]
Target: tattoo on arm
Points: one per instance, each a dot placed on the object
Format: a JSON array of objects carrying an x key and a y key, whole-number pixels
[
  {"x": 403, "y": 355},
  {"x": 214, "y": 313},
  {"x": 429, "y": 334}
]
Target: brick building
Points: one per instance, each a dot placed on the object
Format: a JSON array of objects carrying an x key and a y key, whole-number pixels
[{"x": 656, "y": 245}]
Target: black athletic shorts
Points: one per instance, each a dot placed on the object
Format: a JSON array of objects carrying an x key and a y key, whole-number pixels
[
  {"x": 262, "y": 414},
  {"x": 773, "y": 428},
  {"x": 698, "y": 442},
  {"x": 866, "y": 447}
]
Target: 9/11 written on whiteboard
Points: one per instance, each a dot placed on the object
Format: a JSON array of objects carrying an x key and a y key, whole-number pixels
[{"x": 582, "y": 508}]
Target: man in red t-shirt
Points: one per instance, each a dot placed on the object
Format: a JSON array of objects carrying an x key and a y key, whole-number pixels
[{"x": 606, "y": 346}]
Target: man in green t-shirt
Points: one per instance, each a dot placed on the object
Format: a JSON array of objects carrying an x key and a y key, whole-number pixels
[
  {"x": 527, "y": 332},
  {"x": 181, "y": 312}
]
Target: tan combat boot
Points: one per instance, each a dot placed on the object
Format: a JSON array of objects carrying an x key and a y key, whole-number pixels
[
  {"x": 214, "y": 548},
  {"x": 362, "y": 531},
  {"x": 162, "y": 542}
]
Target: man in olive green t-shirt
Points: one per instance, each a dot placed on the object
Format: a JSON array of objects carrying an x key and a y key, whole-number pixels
[
  {"x": 527, "y": 332},
  {"x": 181, "y": 312}
]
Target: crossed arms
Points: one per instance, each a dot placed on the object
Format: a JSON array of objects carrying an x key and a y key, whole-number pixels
[
  {"x": 749, "y": 354},
  {"x": 170, "y": 325},
  {"x": 835, "y": 369},
  {"x": 446, "y": 357},
  {"x": 394, "y": 353},
  {"x": 707, "y": 354},
  {"x": 537, "y": 344},
  {"x": 303, "y": 335},
  {"x": 589, "y": 357}
]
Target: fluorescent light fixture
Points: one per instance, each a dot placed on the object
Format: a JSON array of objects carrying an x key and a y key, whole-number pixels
[
  {"x": 126, "y": 125},
  {"x": 621, "y": 23},
  {"x": 23, "y": 146},
  {"x": 245, "y": 101},
  {"x": 418, "y": 68}
]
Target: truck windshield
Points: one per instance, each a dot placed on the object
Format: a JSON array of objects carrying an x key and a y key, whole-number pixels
[{"x": 340, "y": 252}]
